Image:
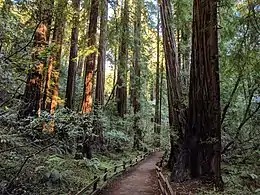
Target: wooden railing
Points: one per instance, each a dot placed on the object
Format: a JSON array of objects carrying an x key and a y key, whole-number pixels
[
  {"x": 163, "y": 182},
  {"x": 99, "y": 182}
]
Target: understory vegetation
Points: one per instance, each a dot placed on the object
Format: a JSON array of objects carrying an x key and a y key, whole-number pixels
[{"x": 86, "y": 85}]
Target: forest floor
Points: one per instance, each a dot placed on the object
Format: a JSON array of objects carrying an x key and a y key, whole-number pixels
[{"x": 140, "y": 180}]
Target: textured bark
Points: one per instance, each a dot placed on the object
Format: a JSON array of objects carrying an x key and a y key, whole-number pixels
[
  {"x": 32, "y": 94},
  {"x": 35, "y": 80},
  {"x": 52, "y": 81},
  {"x": 173, "y": 80},
  {"x": 202, "y": 140},
  {"x": 137, "y": 71},
  {"x": 100, "y": 82},
  {"x": 157, "y": 122},
  {"x": 204, "y": 96},
  {"x": 70, "y": 89},
  {"x": 91, "y": 59},
  {"x": 121, "y": 90}
]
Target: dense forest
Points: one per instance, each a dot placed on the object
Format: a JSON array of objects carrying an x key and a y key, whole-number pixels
[{"x": 85, "y": 84}]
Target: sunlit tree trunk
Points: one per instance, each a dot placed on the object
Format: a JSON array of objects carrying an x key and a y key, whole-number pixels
[
  {"x": 53, "y": 75},
  {"x": 70, "y": 89},
  {"x": 121, "y": 90},
  {"x": 90, "y": 62},
  {"x": 35, "y": 80}
]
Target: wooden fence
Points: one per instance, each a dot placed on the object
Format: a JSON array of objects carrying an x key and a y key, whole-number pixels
[
  {"x": 99, "y": 182},
  {"x": 163, "y": 182}
]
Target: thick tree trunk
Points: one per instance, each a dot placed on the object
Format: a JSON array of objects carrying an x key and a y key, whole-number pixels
[
  {"x": 91, "y": 59},
  {"x": 173, "y": 80},
  {"x": 35, "y": 81},
  {"x": 121, "y": 90},
  {"x": 33, "y": 90},
  {"x": 202, "y": 140},
  {"x": 204, "y": 97},
  {"x": 70, "y": 89},
  {"x": 56, "y": 57},
  {"x": 157, "y": 127},
  {"x": 137, "y": 71},
  {"x": 100, "y": 82}
]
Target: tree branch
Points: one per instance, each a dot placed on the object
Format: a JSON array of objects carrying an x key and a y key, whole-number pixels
[
  {"x": 23, "y": 164},
  {"x": 230, "y": 99}
]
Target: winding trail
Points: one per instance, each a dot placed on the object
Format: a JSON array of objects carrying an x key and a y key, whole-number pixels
[{"x": 139, "y": 180}]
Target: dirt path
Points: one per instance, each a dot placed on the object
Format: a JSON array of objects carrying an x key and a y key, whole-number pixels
[{"x": 140, "y": 180}]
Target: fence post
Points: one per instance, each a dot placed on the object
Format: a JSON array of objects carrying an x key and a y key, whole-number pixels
[
  {"x": 161, "y": 163},
  {"x": 115, "y": 168},
  {"x": 136, "y": 158},
  {"x": 105, "y": 176},
  {"x": 95, "y": 184},
  {"x": 124, "y": 165},
  {"x": 131, "y": 162}
]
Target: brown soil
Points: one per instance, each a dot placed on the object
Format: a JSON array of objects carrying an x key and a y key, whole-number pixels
[{"x": 140, "y": 180}]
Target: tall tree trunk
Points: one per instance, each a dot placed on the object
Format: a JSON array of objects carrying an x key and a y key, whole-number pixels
[
  {"x": 137, "y": 71},
  {"x": 201, "y": 149},
  {"x": 52, "y": 81},
  {"x": 157, "y": 90},
  {"x": 121, "y": 90},
  {"x": 70, "y": 89},
  {"x": 91, "y": 59},
  {"x": 204, "y": 96},
  {"x": 100, "y": 82},
  {"x": 35, "y": 80},
  {"x": 173, "y": 80}
]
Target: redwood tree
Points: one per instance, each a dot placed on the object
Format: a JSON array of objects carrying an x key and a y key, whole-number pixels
[
  {"x": 90, "y": 62},
  {"x": 52, "y": 80},
  {"x": 100, "y": 81},
  {"x": 200, "y": 154},
  {"x": 173, "y": 80},
  {"x": 121, "y": 89},
  {"x": 204, "y": 95},
  {"x": 35, "y": 80},
  {"x": 137, "y": 71},
  {"x": 70, "y": 89}
]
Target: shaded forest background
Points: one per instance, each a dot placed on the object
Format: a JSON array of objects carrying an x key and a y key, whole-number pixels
[{"x": 85, "y": 84}]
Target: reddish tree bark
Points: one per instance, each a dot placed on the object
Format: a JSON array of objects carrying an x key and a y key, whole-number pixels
[
  {"x": 91, "y": 59},
  {"x": 52, "y": 80},
  {"x": 204, "y": 96},
  {"x": 35, "y": 80},
  {"x": 201, "y": 150}
]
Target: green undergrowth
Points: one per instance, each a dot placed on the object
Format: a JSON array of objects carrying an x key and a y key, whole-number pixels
[
  {"x": 241, "y": 175},
  {"x": 53, "y": 173}
]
